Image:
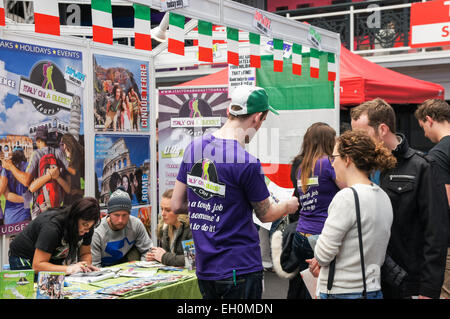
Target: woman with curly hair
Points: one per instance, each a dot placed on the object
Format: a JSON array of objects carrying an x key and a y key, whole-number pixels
[{"x": 354, "y": 157}]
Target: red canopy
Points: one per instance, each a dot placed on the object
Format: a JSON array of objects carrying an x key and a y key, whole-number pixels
[{"x": 361, "y": 80}]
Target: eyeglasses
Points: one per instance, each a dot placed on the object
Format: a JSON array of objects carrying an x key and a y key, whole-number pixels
[{"x": 332, "y": 158}]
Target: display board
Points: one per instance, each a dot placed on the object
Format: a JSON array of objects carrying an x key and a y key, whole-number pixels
[
  {"x": 41, "y": 96},
  {"x": 185, "y": 113}
]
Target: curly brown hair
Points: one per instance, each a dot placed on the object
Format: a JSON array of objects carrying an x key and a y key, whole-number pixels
[{"x": 365, "y": 153}]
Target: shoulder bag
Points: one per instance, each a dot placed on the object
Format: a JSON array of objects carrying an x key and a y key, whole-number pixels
[{"x": 361, "y": 251}]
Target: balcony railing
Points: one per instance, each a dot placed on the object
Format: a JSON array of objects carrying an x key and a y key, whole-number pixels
[{"x": 368, "y": 29}]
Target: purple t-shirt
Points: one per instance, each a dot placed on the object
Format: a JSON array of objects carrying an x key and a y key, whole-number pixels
[
  {"x": 222, "y": 179},
  {"x": 15, "y": 212},
  {"x": 315, "y": 201}
]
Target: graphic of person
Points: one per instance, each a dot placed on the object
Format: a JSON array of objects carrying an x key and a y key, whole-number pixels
[
  {"x": 193, "y": 106},
  {"x": 205, "y": 166},
  {"x": 47, "y": 72}
]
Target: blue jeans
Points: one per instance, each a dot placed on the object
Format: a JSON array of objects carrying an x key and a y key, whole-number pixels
[
  {"x": 247, "y": 286},
  {"x": 302, "y": 250},
  {"x": 356, "y": 295}
]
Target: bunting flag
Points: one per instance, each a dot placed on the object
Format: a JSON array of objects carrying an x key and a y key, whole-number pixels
[
  {"x": 2, "y": 14},
  {"x": 46, "y": 17},
  {"x": 331, "y": 67},
  {"x": 142, "y": 27},
  {"x": 102, "y": 29},
  {"x": 297, "y": 59},
  {"x": 255, "y": 56},
  {"x": 314, "y": 63},
  {"x": 278, "y": 55},
  {"x": 176, "y": 33},
  {"x": 233, "y": 46},
  {"x": 205, "y": 48}
]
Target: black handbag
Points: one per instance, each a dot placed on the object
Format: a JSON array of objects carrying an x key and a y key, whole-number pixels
[{"x": 361, "y": 252}]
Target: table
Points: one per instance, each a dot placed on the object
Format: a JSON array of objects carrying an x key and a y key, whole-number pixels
[{"x": 185, "y": 289}]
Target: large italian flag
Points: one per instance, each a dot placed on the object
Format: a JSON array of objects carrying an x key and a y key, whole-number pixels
[{"x": 301, "y": 101}]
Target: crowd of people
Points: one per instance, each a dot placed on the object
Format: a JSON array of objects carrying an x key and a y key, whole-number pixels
[{"x": 377, "y": 209}]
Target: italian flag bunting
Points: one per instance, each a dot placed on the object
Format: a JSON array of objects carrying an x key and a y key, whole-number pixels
[
  {"x": 205, "y": 50},
  {"x": 2, "y": 14},
  {"x": 233, "y": 46},
  {"x": 46, "y": 17},
  {"x": 314, "y": 63},
  {"x": 255, "y": 56},
  {"x": 277, "y": 55},
  {"x": 142, "y": 27},
  {"x": 331, "y": 67},
  {"x": 176, "y": 33},
  {"x": 297, "y": 59},
  {"x": 102, "y": 29}
]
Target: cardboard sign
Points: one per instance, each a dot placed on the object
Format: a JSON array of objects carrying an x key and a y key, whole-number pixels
[{"x": 430, "y": 24}]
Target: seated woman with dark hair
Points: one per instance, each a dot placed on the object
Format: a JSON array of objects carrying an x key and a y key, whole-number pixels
[
  {"x": 58, "y": 239},
  {"x": 172, "y": 230}
]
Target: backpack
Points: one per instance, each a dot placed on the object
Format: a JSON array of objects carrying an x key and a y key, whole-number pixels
[{"x": 49, "y": 195}]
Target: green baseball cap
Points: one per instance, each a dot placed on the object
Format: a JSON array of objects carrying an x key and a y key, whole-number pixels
[{"x": 250, "y": 99}]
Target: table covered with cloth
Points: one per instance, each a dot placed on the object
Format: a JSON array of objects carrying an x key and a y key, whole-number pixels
[{"x": 127, "y": 283}]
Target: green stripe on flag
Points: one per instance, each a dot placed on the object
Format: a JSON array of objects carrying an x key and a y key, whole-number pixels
[
  {"x": 205, "y": 28},
  {"x": 101, "y": 5},
  {"x": 296, "y": 48},
  {"x": 278, "y": 44},
  {"x": 254, "y": 38},
  {"x": 288, "y": 91},
  {"x": 331, "y": 58},
  {"x": 315, "y": 53},
  {"x": 232, "y": 34},
  {"x": 176, "y": 20},
  {"x": 141, "y": 12}
]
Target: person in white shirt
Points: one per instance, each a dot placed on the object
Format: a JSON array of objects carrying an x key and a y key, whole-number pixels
[{"x": 355, "y": 156}]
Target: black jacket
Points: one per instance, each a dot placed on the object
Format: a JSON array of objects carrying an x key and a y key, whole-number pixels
[{"x": 419, "y": 230}]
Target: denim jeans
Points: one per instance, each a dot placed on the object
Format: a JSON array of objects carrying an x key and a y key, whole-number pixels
[
  {"x": 356, "y": 295},
  {"x": 247, "y": 286},
  {"x": 302, "y": 250}
]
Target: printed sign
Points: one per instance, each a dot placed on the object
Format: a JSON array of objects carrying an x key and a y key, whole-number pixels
[
  {"x": 123, "y": 161},
  {"x": 120, "y": 94},
  {"x": 430, "y": 24},
  {"x": 242, "y": 74},
  {"x": 38, "y": 102},
  {"x": 186, "y": 113},
  {"x": 262, "y": 23},
  {"x": 167, "y": 5}
]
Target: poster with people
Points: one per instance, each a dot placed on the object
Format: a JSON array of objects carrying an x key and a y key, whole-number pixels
[
  {"x": 41, "y": 130},
  {"x": 120, "y": 94},
  {"x": 185, "y": 113},
  {"x": 122, "y": 160}
]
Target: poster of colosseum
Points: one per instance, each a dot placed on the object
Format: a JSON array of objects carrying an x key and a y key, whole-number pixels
[
  {"x": 122, "y": 161},
  {"x": 120, "y": 94},
  {"x": 41, "y": 130}
]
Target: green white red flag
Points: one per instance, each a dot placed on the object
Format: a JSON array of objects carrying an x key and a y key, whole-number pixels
[
  {"x": 176, "y": 33},
  {"x": 142, "y": 27},
  {"x": 46, "y": 17},
  {"x": 233, "y": 46},
  {"x": 255, "y": 55},
  {"x": 205, "y": 46},
  {"x": 102, "y": 28},
  {"x": 278, "y": 55}
]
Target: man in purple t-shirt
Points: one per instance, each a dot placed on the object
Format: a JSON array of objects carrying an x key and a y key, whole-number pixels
[{"x": 219, "y": 184}]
